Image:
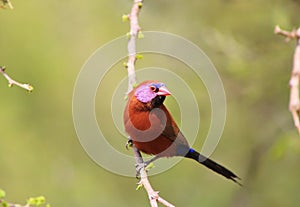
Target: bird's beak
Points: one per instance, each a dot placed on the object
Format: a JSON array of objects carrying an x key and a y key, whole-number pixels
[{"x": 163, "y": 91}]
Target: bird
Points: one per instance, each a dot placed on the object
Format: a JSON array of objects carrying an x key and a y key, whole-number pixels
[{"x": 153, "y": 131}]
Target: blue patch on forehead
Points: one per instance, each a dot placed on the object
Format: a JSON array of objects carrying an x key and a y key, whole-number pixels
[{"x": 157, "y": 85}]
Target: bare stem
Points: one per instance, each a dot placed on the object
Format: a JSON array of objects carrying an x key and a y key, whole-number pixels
[
  {"x": 134, "y": 31},
  {"x": 12, "y": 82},
  {"x": 152, "y": 194},
  {"x": 294, "y": 105}
]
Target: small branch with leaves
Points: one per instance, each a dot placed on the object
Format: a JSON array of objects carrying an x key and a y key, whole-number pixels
[
  {"x": 12, "y": 82},
  {"x": 4, "y": 3},
  {"x": 294, "y": 105},
  {"x": 135, "y": 32},
  {"x": 31, "y": 202}
]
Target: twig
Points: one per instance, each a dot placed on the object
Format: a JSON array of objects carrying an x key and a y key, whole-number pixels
[
  {"x": 152, "y": 194},
  {"x": 31, "y": 202},
  {"x": 4, "y": 2},
  {"x": 134, "y": 31},
  {"x": 11, "y": 205},
  {"x": 12, "y": 82},
  {"x": 294, "y": 105}
]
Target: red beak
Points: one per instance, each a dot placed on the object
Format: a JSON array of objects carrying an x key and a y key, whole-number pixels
[{"x": 163, "y": 91}]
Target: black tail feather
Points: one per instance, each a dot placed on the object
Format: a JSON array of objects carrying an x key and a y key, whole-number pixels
[{"x": 213, "y": 165}]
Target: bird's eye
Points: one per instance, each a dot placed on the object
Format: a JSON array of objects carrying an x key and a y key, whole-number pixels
[{"x": 153, "y": 88}]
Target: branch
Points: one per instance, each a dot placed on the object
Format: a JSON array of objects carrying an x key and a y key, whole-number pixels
[
  {"x": 6, "y": 2},
  {"x": 12, "y": 82},
  {"x": 134, "y": 31},
  {"x": 152, "y": 194},
  {"x": 31, "y": 202},
  {"x": 4, "y": 203},
  {"x": 130, "y": 65},
  {"x": 294, "y": 34},
  {"x": 294, "y": 105}
]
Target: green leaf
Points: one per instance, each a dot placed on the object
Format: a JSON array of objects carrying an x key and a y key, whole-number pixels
[
  {"x": 4, "y": 204},
  {"x": 140, "y": 35},
  {"x": 30, "y": 88},
  {"x": 36, "y": 201},
  {"x": 125, "y": 17},
  {"x": 140, "y": 186},
  {"x": 140, "y": 5},
  {"x": 2, "y": 193},
  {"x": 139, "y": 56},
  {"x": 151, "y": 165},
  {"x": 135, "y": 85}
]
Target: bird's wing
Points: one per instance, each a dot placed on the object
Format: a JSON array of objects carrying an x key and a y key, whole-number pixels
[{"x": 172, "y": 131}]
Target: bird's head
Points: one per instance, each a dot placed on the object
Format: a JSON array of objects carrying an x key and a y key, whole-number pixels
[{"x": 151, "y": 92}]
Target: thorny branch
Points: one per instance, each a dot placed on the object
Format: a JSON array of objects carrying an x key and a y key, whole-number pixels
[
  {"x": 134, "y": 31},
  {"x": 152, "y": 194},
  {"x": 294, "y": 105},
  {"x": 12, "y": 82}
]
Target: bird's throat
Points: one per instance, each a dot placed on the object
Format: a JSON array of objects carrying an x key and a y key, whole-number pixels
[{"x": 158, "y": 101}]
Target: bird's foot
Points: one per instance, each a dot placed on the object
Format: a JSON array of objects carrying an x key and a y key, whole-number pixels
[
  {"x": 138, "y": 168},
  {"x": 129, "y": 143},
  {"x": 146, "y": 165}
]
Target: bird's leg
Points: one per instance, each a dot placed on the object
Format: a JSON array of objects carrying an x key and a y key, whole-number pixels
[
  {"x": 146, "y": 164},
  {"x": 129, "y": 143},
  {"x": 151, "y": 160},
  {"x": 138, "y": 168}
]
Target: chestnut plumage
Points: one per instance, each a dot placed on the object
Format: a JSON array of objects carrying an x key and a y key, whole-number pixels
[{"x": 153, "y": 130}]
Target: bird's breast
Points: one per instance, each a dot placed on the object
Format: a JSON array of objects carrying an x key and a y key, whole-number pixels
[{"x": 145, "y": 126}]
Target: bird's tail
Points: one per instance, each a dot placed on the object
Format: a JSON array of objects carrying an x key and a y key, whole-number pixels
[{"x": 212, "y": 165}]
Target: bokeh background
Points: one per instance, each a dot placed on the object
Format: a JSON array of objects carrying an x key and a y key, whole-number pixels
[{"x": 47, "y": 42}]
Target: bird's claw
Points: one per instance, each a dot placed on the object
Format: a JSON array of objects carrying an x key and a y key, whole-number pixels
[
  {"x": 129, "y": 143},
  {"x": 138, "y": 168},
  {"x": 146, "y": 165}
]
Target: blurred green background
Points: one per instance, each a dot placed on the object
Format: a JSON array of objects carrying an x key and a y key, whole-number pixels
[{"x": 46, "y": 43}]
